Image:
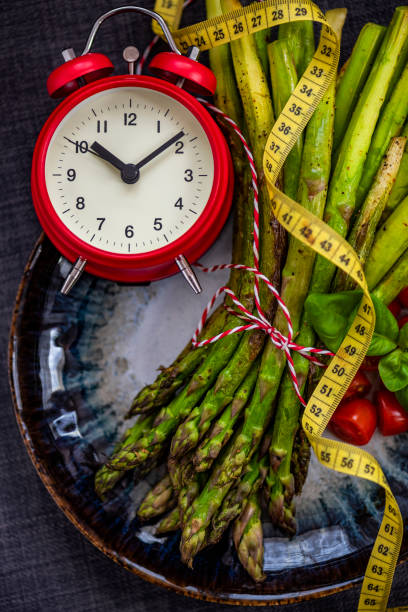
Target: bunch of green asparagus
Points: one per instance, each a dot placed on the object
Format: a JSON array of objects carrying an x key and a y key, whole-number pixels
[{"x": 225, "y": 418}]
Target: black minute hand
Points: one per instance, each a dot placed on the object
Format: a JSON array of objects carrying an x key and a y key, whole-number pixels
[{"x": 159, "y": 150}]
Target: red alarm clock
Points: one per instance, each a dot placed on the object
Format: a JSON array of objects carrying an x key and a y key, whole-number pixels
[{"x": 131, "y": 176}]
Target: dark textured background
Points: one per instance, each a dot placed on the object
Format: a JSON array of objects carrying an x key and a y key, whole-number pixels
[{"x": 46, "y": 565}]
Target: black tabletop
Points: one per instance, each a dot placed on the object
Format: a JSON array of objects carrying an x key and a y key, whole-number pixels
[{"x": 46, "y": 564}]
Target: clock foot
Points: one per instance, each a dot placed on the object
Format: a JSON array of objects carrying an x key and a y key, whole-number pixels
[
  {"x": 74, "y": 275},
  {"x": 188, "y": 273}
]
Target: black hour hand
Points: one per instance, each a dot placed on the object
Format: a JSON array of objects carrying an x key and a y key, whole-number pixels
[{"x": 129, "y": 172}]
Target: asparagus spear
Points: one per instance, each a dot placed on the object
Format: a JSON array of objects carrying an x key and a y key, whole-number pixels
[
  {"x": 259, "y": 117},
  {"x": 258, "y": 413},
  {"x": 390, "y": 123},
  {"x": 300, "y": 37},
  {"x": 188, "y": 493},
  {"x": 362, "y": 234},
  {"x": 349, "y": 167},
  {"x": 237, "y": 497},
  {"x": 400, "y": 188},
  {"x": 354, "y": 76},
  {"x": 223, "y": 428},
  {"x": 313, "y": 185},
  {"x": 169, "y": 523},
  {"x": 284, "y": 80},
  {"x": 295, "y": 282},
  {"x": 158, "y": 500},
  {"x": 261, "y": 42},
  {"x": 300, "y": 459},
  {"x": 390, "y": 243},
  {"x": 394, "y": 281},
  {"x": 248, "y": 538},
  {"x": 106, "y": 478}
]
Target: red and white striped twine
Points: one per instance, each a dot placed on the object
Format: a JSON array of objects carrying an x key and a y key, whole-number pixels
[{"x": 259, "y": 321}]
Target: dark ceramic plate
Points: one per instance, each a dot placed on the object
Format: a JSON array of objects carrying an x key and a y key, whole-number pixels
[{"x": 75, "y": 364}]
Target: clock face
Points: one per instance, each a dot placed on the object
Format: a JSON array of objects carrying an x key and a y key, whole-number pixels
[{"x": 129, "y": 170}]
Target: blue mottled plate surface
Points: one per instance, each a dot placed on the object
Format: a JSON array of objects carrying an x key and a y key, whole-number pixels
[{"x": 77, "y": 361}]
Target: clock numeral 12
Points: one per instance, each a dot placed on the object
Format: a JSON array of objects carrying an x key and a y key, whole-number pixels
[{"x": 129, "y": 118}]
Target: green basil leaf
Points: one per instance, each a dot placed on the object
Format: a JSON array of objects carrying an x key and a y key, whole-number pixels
[
  {"x": 328, "y": 313},
  {"x": 385, "y": 322},
  {"x": 402, "y": 397},
  {"x": 380, "y": 345},
  {"x": 403, "y": 338},
  {"x": 393, "y": 369}
]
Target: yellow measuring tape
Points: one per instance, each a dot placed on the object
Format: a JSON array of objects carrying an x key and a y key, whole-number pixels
[{"x": 325, "y": 241}]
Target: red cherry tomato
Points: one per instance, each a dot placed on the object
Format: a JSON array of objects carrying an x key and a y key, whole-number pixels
[
  {"x": 354, "y": 421},
  {"x": 403, "y": 297},
  {"x": 370, "y": 364},
  {"x": 358, "y": 386},
  {"x": 395, "y": 307},
  {"x": 402, "y": 321},
  {"x": 392, "y": 417}
]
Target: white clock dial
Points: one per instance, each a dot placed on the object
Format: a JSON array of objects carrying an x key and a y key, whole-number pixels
[{"x": 161, "y": 200}]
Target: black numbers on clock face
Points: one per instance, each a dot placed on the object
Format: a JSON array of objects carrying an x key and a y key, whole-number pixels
[
  {"x": 129, "y": 119},
  {"x": 129, "y": 231},
  {"x": 157, "y": 225},
  {"x": 98, "y": 202},
  {"x": 102, "y": 126},
  {"x": 81, "y": 146}
]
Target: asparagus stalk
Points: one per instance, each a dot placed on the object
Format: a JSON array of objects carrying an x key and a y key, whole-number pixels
[
  {"x": 236, "y": 499},
  {"x": 362, "y": 234},
  {"x": 300, "y": 37},
  {"x": 248, "y": 538},
  {"x": 158, "y": 500},
  {"x": 394, "y": 281},
  {"x": 390, "y": 243},
  {"x": 300, "y": 459},
  {"x": 400, "y": 188},
  {"x": 169, "y": 523},
  {"x": 390, "y": 123},
  {"x": 223, "y": 428},
  {"x": 284, "y": 79},
  {"x": 354, "y": 75},
  {"x": 261, "y": 42},
  {"x": 295, "y": 282},
  {"x": 350, "y": 164},
  {"x": 313, "y": 186},
  {"x": 259, "y": 118},
  {"x": 106, "y": 478},
  {"x": 187, "y": 495},
  {"x": 258, "y": 413}
]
